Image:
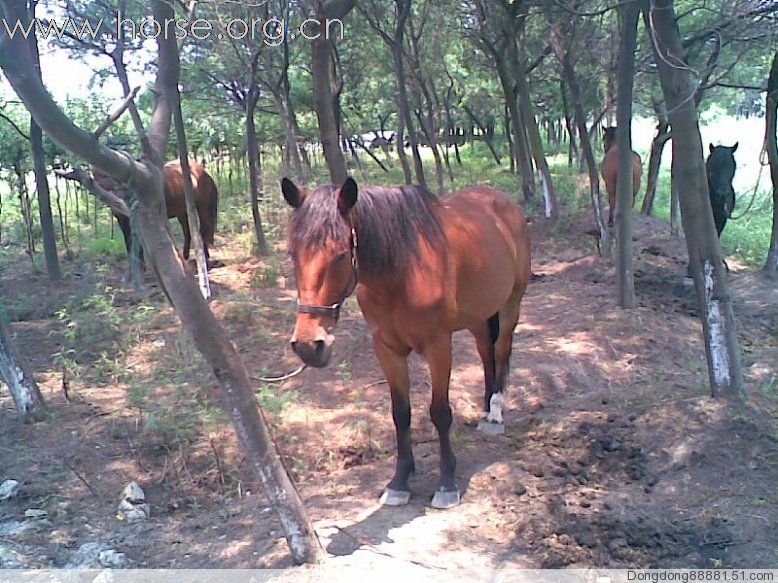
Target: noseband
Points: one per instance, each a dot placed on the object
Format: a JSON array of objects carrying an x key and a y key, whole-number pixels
[{"x": 333, "y": 311}]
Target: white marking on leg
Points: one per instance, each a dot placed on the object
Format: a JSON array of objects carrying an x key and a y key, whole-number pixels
[{"x": 496, "y": 403}]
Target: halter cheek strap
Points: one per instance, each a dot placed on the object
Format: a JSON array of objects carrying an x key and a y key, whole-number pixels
[{"x": 333, "y": 311}]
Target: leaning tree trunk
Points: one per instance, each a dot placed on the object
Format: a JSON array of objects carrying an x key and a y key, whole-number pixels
[
  {"x": 771, "y": 265},
  {"x": 195, "y": 239},
  {"x": 628, "y": 15},
  {"x": 710, "y": 278},
  {"x": 14, "y": 372},
  {"x": 145, "y": 177}
]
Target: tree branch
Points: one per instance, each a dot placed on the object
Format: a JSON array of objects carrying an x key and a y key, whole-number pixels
[
  {"x": 14, "y": 126},
  {"x": 116, "y": 114},
  {"x": 117, "y": 204}
]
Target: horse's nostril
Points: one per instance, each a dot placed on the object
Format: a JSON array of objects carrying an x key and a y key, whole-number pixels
[
  {"x": 293, "y": 343},
  {"x": 319, "y": 347}
]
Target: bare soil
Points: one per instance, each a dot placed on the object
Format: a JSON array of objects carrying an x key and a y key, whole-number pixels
[{"x": 614, "y": 453}]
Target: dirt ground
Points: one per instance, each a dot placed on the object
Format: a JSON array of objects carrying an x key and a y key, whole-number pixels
[{"x": 614, "y": 454}]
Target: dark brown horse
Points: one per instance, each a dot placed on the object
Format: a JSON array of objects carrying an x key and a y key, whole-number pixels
[
  {"x": 610, "y": 169},
  {"x": 422, "y": 268},
  {"x": 206, "y": 200}
]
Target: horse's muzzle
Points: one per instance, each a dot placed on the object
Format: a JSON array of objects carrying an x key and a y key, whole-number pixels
[{"x": 316, "y": 354}]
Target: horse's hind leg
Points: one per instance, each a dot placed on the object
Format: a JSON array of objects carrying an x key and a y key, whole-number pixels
[
  {"x": 485, "y": 338},
  {"x": 503, "y": 346},
  {"x": 395, "y": 367},
  {"x": 438, "y": 356}
]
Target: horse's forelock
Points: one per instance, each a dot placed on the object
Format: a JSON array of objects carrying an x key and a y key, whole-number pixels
[{"x": 390, "y": 222}]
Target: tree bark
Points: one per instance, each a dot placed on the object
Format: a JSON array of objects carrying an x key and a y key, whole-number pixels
[
  {"x": 14, "y": 372},
  {"x": 771, "y": 264},
  {"x": 628, "y": 16},
  {"x": 710, "y": 278},
  {"x": 146, "y": 179}
]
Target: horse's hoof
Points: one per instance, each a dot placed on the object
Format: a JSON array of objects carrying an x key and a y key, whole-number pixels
[
  {"x": 491, "y": 427},
  {"x": 392, "y": 497},
  {"x": 445, "y": 499}
]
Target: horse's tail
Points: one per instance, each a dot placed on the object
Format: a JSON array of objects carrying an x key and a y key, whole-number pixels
[{"x": 213, "y": 211}]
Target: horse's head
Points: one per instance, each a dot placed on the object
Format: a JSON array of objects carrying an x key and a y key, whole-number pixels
[
  {"x": 608, "y": 137},
  {"x": 322, "y": 243},
  {"x": 721, "y": 164}
]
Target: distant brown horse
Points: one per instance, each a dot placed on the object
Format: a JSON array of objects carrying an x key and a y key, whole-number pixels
[
  {"x": 610, "y": 169},
  {"x": 422, "y": 268},
  {"x": 206, "y": 200}
]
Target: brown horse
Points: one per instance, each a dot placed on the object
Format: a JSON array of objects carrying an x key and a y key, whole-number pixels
[
  {"x": 206, "y": 200},
  {"x": 422, "y": 268},
  {"x": 610, "y": 169}
]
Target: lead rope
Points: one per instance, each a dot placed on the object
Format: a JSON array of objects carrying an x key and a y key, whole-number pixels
[{"x": 762, "y": 163}]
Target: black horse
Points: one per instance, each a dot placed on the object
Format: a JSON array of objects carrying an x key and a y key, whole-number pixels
[{"x": 720, "y": 168}]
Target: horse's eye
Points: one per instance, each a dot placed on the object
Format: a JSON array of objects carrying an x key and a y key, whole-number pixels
[{"x": 341, "y": 258}]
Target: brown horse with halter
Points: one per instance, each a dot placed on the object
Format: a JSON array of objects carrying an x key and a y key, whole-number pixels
[
  {"x": 610, "y": 169},
  {"x": 206, "y": 201},
  {"x": 422, "y": 268}
]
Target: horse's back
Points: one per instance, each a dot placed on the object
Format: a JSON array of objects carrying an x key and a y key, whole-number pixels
[
  {"x": 610, "y": 169},
  {"x": 489, "y": 249},
  {"x": 204, "y": 188}
]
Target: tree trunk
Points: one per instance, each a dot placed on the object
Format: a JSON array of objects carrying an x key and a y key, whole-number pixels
[
  {"x": 403, "y": 105},
  {"x": 771, "y": 265},
  {"x": 325, "y": 112},
  {"x": 572, "y": 151},
  {"x": 252, "y": 153},
  {"x": 536, "y": 145},
  {"x": 517, "y": 129},
  {"x": 655, "y": 158},
  {"x": 629, "y": 14},
  {"x": 292, "y": 148},
  {"x": 710, "y": 278},
  {"x": 44, "y": 203},
  {"x": 675, "y": 209},
  {"x": 39, "y": 167},
  {"x": 14, "y": 372},
  {"x": 196, "y": 240}
]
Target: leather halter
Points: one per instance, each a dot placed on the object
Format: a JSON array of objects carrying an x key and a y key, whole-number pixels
[{"x": 333, "y": 311}]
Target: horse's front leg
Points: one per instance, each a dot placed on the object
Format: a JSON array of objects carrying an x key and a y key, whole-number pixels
[
  {"x": 394, "y": 363},
  {"x": 438, "y": 356}
]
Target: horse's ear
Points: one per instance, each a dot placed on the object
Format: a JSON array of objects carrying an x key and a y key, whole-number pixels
[
  {"x": 711, "y": 147},
  {"x": 604, "y": 128},
  {"x": 293, "y": 195},
  {"x": 347, "y": 196},
  {"x": 734, "y": 148}
]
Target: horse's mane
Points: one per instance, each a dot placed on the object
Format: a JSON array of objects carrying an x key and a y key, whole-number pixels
[{"x": 391, "y": 223}]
